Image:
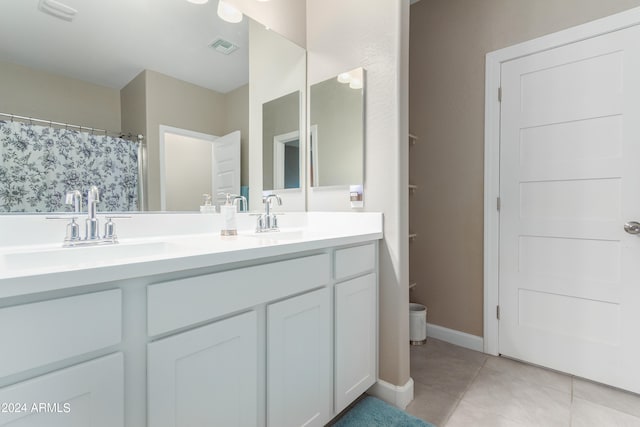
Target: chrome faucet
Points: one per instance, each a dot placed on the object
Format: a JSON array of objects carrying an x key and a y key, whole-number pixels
[
  {"x": 243, "y": 200},
  {"x": 92, "y": 231},
  {"x": 268, "y": 221}
]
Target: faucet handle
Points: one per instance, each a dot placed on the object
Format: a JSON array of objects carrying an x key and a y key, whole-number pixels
[
  {"x": 110, "y": 229},
  {"x": 73, "y": 231}
]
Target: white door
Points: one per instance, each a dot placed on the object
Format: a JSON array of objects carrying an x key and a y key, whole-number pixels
[
  {"x": 226, "y": 165},
  {"x": 90, "y": 394},
  {"x": 355, "y": 341},
  {"x": 569, "y": 181},
  {"x": 206, "y": 376},
  {"x": 299, "y": 361}
]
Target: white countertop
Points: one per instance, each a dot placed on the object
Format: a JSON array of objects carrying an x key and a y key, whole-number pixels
[{"x": 44, "y": 265}]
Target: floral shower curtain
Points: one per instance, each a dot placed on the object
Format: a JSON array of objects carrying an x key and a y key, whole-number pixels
[{"x": 39, "y": 164}]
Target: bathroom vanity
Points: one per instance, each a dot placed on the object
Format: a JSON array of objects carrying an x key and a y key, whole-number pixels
[{"x": 188, "y": 328}]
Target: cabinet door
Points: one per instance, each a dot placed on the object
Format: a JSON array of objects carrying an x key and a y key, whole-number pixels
[
  {"x": 86, "y": 395},
  {"x": 299, "y": 361},
  {"x": 205, "y": 377},
  {"x": 356, "y": 339}
]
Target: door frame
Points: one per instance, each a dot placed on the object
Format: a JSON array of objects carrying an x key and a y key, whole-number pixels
[
  {"x": 494, "y": 60},
  {"x": 279, "y": 143},
  {"x": 163, "y": 130}
]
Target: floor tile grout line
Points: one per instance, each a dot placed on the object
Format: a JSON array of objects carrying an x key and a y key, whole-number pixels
[
  {"x": 571, "y": 401},
  {"x": 455, "y": 408}
]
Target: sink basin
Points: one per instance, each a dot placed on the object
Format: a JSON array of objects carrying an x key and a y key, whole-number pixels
[{"x": 69, "y": 257}]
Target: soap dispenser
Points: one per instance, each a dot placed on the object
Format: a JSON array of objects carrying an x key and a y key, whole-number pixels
[
  {"x": 228, "y": 211},
  {"x": 207, "y": 207}
]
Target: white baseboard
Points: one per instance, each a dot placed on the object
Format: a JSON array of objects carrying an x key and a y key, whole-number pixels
[
  {"x": 399, "y": 396},
  {"x": 452, "y": 336}
]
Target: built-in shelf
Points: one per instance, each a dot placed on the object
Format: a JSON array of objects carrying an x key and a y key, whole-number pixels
[
  {"x": 412, "y": 236},
  {"x": 412, "y": 285}
]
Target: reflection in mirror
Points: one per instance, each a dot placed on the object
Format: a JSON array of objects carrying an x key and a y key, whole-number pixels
[
  {"x": 281, "y": 143},
  {"x": 91, "y": 84},
  {"x": 213, "y": 164},
  {"x": 337, "y": 130}
]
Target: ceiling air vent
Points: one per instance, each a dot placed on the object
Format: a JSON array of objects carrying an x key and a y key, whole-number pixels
[
  {"x": 223, "y": 46},
  {"x": 57, "y": 9}
]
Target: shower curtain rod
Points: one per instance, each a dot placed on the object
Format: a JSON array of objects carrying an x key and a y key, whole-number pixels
[{"x": 139, "y": 137}]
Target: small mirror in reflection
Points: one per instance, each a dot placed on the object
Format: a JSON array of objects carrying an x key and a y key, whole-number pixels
[{"x": 281, "y": 143}]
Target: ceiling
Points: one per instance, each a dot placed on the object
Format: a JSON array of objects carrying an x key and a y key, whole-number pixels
[{"x": 111, "y": 41}]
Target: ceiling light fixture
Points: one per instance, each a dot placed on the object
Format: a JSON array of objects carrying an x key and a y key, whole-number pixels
[
  {"x": 198, "y": 1},
  {"x": 229, "y": 13}
]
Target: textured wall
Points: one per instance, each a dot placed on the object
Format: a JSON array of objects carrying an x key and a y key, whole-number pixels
[
  {"x": 285, "y": 17},
  {"x": 448, "y": 43},
  {"x": 342, "y": 36}
]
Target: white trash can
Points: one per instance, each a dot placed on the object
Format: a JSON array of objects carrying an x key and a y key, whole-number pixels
[{"x": 417, "y": 324}]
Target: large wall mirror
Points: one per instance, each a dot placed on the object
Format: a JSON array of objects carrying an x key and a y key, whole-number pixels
[
  {"x": 78, "y": 89},
  {"x": 337, "y": 130}
]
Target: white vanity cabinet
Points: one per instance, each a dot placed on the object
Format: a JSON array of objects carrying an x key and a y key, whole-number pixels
[
  {"x": 270, "y": 335},
  {"x": 206, "y": 376},
  {"x": 58, "y": 333},
  {"x": 86, "y": 395},
  {"x": 355, "y": 339},
  {"x": 299, "y": 361},
  {"x": 279, "y": 344},
  {"x": 355, "y": 323}
]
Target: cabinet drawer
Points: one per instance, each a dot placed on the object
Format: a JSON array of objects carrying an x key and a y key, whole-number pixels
[
  {"x": 89, "y": 394},
  {"x": 356, "y": 260},
  {"x": 180, "y": 303},
  {"x": 40, "y": 333}
]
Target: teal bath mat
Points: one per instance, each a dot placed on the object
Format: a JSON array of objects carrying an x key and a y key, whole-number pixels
[{"x": 372, "y": 412}]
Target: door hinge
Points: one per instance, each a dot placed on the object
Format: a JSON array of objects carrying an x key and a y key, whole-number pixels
[
  {"x": 498, "y": 312},
  {"x": 498, "y": 203},
  {"x": 500, "y": 94}
]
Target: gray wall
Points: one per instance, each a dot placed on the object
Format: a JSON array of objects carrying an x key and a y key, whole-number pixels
[
  {"x": 28, "y": 92},
  {"x": 448, "y": 43}
]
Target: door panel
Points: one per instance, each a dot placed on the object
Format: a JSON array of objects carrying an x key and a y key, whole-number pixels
[
  {"x": 299, "y": 361},
  {"x": 226, "y": 165},
  {"x": 569, "y": 180},
  {"x": 206, "y": 376}
]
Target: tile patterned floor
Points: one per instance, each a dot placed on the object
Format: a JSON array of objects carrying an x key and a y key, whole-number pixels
[{"x": 457, "y": 387}]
